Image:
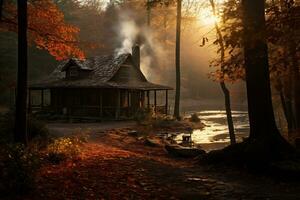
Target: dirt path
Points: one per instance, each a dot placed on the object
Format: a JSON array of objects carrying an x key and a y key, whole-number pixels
[
  {"x": 114, "y": 165},
  {"x": 65, "y": 129}
]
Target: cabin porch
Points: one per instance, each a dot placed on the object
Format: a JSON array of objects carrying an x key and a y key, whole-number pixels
[{"x": 101, "y": 103}]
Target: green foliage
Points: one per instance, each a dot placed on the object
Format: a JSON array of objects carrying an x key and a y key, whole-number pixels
[
  {"x": 8, "y": 63},
  {"x": 143, "y": 116},
  {"x": 6, "y": 128},
  {"x": 17, "y": 169},
  {"x": 17, "y": 163},
  {"x": 37, "y": 130},
  {"x": 194, "y": 118}
]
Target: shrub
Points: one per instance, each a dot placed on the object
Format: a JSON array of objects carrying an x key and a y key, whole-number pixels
[
  {"x": 194, "y": 118},
  {"x": 17, "y": 163},
  {"x": 6, "y": 128},
  {"x": 17, "y": 169},
  {"x": 62, "y": 148},
  {"x": 164, "y": 122},
  {"x": 36, "y": 129},
  {"x": 143, "y": 115}
]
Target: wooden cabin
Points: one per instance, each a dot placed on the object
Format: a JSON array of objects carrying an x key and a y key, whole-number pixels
[{"x": 105, "y": 87}]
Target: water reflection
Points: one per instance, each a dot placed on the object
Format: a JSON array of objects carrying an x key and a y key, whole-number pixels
[{"x": 215, "y": 133}]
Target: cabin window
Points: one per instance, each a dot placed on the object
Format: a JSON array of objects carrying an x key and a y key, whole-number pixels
[{"x": 73, "y": 72}]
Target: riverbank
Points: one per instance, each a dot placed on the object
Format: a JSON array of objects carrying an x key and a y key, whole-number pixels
[{"x": 114, "y": 164}]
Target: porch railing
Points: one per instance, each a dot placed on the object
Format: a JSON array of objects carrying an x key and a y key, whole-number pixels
[{"x": 96, "y": 111}]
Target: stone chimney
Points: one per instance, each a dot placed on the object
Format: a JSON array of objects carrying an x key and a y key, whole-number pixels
[{"x": 136, "y": 55}]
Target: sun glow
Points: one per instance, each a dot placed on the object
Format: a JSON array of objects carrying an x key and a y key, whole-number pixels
[{"x": 206, "y": 17}]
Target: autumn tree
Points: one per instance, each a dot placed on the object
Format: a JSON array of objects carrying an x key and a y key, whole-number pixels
[
  {"x": 281, "y": 34},
  {"x": 282, "y": 29},
  {"x": 46, "y": 28},
  {"x": 264, "y": 136},
  {"x": 178, "y": 3},
  {"x": 220, "y": 42},
  {"x": 44, "y": 24},
  {"x": 265, "y": 143},
  {"x": 177, "y": 63}
]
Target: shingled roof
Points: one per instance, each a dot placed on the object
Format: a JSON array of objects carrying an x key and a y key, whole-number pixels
[{"x": 102, "y": 70}]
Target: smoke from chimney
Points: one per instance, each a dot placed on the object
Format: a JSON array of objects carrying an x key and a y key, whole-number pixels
[
  {"x": 132, "y": 34},
  {"x": 128, "y": 32}
]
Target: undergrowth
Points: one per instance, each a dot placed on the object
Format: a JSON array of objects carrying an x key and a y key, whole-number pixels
[{"x": 19, "y": 163}]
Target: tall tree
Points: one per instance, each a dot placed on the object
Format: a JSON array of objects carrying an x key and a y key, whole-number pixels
[
  {"x": 281, "y": 33},
  {"x": 177, "y": 60},
  {"x": 263, "y": 128},
  {"x": 148, "y": 13},
  {"x": 225, "y": 90},
  {"x": 21, "y": 98},
  {"x": 46, "y": 28},
  {"x": 283, "y": 28},
  {"x": 1, "y": 6}
]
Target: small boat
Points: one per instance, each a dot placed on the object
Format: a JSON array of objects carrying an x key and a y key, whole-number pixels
[{"x": 185, "y": 152}]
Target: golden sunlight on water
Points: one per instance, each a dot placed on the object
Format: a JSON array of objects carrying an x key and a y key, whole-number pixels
[{"x": 215, "y": 133}]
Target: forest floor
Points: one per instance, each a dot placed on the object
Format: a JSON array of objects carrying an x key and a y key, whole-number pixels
[{"x": 115, "y": 165}]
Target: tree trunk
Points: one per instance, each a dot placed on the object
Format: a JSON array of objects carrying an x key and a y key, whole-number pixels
[
  {"x": 293, "y": 82},
  {"x": 222, "y": 83},
  {"x": 261, "y": 116},
  {"x": 296, "y": 83},
  {"x": 148, "y": 13},
  {"x": 1, "y": 9},
  {"x": 287, "y": 110},
  {"x": 178, "y": 31},
  {"x": 21, "y": 97},
  {"x": 228, "y": 112}
]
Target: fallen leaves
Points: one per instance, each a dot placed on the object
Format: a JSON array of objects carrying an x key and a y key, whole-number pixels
[
  {"x": 122, "y": 169},
  {"x": 118, "y": 166}
]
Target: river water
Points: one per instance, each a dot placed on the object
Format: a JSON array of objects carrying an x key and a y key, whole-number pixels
[{"x": 215, "y": 133}]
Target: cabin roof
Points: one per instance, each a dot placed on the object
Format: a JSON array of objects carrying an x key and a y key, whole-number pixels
[
  {"x": 102, "y": 70},
  {"x": 80, "y": 63}
]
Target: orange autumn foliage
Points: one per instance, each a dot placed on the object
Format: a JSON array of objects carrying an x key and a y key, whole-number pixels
[{"x": 46, "y": 28}]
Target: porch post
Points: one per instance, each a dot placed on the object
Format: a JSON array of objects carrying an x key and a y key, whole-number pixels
[
  {"x": 101, "y": 103},
  {"x": 42, "y": 98},
  {"x": 128, "y": 98},
  {"x": 29, "y": 100},
  {"x": 155, "y": 101},
  {"x": 128, "y": 104},
  {"x": 148, "y": 99},
  {"x": 143, "y": 98},
  {"x": 167, "y": 103},
  {"x": 118, "y": 104}
]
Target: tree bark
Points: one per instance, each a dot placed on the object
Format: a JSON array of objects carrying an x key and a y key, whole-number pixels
[
  {"x": 287, "y": 110},
  {"x": 178, "y": 32},
  {"x": 228, "y": 112},
  {"x": 1, "y": 9},
  {"x": 292, "y": 93},
  {"x": 222, "y": 83},
  {"x": 21, "y": 97},
  {"x": 148, "y": 13},
  {"x": 261, "y": 115},
  {"x": 296, "y": 83}
]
